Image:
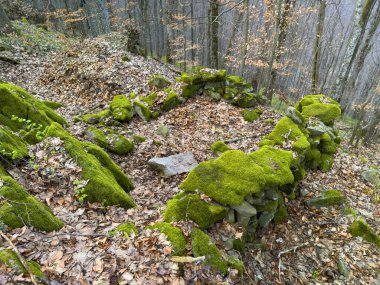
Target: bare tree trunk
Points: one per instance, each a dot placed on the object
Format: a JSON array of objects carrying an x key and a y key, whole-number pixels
[
  {"x": 246, "y": 33},
  {"x": 5, "y": 24},
  {"x": 317, "y": 47},
  {"x": 169, "y": 22},
  {"x": 235, "y": 28},
  {"x": 214, "y": 9}
]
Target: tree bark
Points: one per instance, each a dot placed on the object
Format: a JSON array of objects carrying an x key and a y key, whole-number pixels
[
  {"x": 5, "y": 24},
  {"x": 214, "y": 12}
]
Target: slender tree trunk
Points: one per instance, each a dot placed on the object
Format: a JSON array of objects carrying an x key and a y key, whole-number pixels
[
  {"x": 5, "y": 24},
  {"x": 192, "y": 22},
  {"x": 317, "y": 47},
  {"x": 214, "y": 30},
  {"x": 273, "y": 51},
  {"x": 246, "y": 33},
  {"x": 169, "y": 22},
  {"x": 235, "y": 28}
]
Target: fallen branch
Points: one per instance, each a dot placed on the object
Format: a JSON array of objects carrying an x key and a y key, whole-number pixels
[
  {"x": 292, "y": 249},
  {"x": 20, "y": 257}
]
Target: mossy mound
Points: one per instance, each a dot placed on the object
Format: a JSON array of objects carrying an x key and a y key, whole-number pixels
[
  {"x": 227, "y": 179},
  {"x": 175, "y": 236},
  {"x": 15, "y": 101},
  {"x": 107, "y": 184},
  {"x": 183, "y": 207},
  {"x": 127, "y": 229},
  {"x": 159, "y": 82},
  {"x": 149, "y": 99},
  {"x": 320, "y": 106},
  {"x": 121, "y": 108},
  {"x": 202, "y": 245},
  {"x": 109, "y": 140},
  {"x": 95, "y": 118},
  {"x": 11, "y": 260},
  {"x": 251, "y": 115},
  {"x": 288, "y": 132},
  {"x": 329, "y": 198},
  {"x": 19, "y": 208},
  {"x": 52, "y": 104},
  {"x": 361, "y": 229},
  {"x": 219, "y": 147},
  {"x": 204, "y": 75},
  {"x": 11, "y": 146},
  {"x": 142, "y": 110},
  {"x": 171, "y": 101}
]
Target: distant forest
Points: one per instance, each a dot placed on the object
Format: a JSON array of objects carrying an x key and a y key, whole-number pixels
[{"x": 286, "y": 48}]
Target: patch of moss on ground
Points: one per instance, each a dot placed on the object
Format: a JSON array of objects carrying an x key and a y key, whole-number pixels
[
  {"x": 227, "y": 179},
  {"x": 107, "y": 184},
  {"x": 320, "y": 106},
  {"x": 361, "y": 229},
  {"x": 171, "y": 101},
  {"x": 191, "y": 207},
  {"x": 250, "y": 115},
  {"x": 235, "y": 263},
  {"x": 328, "y": 198},
  {"x": 15, "y": 101},
  {"x": 121, "y": 108},
  {"x": 219, "y": 147},
  {"x": 175, "y": 236},
  {"x": 20, "y": 208},
  {"x": 127, "y": 229},
  {"x": 202, "y": 245},
  {"x": 11, "y": 260},
  {"x": 110, "y": 140}
]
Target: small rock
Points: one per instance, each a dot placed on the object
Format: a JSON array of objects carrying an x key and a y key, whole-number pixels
[
  {"x": 265, "y": 218},
  {"x": 245, "y": 209},
  {"x": 342, "y": 267},
  {"x": 292, "y": 113},
  {"x": 328, "y": 198},
  {"x": 163, "y": 131},
  {"x": 371, "y": 175},
  {"x": 174, "y": 164}
]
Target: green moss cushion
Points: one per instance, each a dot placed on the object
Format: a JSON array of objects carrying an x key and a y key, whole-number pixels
[
  {"x": 12, "y": 146},
  {"x": 20, "y": 208},
  {"x": 11, "y": 260},
  {"x": 175, "y": 236},
  {"x": 121, "y": 108}
]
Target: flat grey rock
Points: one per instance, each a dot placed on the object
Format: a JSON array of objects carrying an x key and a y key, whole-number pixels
[
  {"x": 174, "y": 164},
  {"x": 245, "y": 209},
  {"x": 371, "y": 175},
  {"x": 292, "y": 114}
]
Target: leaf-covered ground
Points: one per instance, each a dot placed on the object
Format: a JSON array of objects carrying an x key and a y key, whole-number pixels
[{"x": 85, "y": 77}]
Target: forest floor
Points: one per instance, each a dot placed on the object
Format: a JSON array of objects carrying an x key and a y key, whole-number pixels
[{"x": 304, "y": 250}]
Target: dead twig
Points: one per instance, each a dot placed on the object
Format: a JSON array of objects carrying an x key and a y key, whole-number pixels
[{"x": 292, "y": 249}]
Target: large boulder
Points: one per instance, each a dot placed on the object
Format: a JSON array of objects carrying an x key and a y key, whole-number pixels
[{"x": 174, "y": 164}]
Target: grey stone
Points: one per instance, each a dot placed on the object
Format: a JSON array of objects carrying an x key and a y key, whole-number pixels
[
  {"x": 245, "y": 209},
  {"x": 371, "y": 175},
  {"x": 163, "y": 131},
  {"x": 291, "y": 112},
  {"x": 343, "y": 268},
  {"x": 174, "y": 164},
  {"x": 328, "y": 198},
  {"x": 242, "y": 220},
  {"x": 265, "y": 218},
  {"x": 271, "y": 194},
  {"x": 231, "y": 216}
]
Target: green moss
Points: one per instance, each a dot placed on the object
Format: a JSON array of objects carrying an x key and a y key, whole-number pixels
[
  {"x": 269, "y": 121},
  {"x": 235, "y": 263},
  {"x": 20, "y": 208},
  {"x": 326, "y": 162},
  {"x": 11, "y": 145},
  {"x": 203, "y": 76},
  {"x": 138, "y": 139},
  {"x": 361, "y": 229},
  {"x": 189, "y": 91},
  {"x": 142, "y": 110},
  {"x": 159, "y": 81},
  {"x": 320, "y": 106},
  {"x": 15, "y": 101},
  {"x": 227, "y": 179},
  {"x": 127, "y": 229},
  {"x": 107, "y": 184},
  {"x": 10, "y": 60},
  {"x": 287, "y": 131},
  {"x": 350, "y": 212},
  {"x": 219, "y": 147},
  {"x": 110, "y": 140},
  {"x": 171, "y": 101},
  {"x": 193, "y": 208},
  {"x": 175, "y": 236},
  {"x": 244, "y": 100},
  {"x": 266, "y": 206},
  {"x": 11, "y": 260},
  {"x": 96, "y": 118},
  {"x": 52, "y": 104},
  {"x": 149, "y": 100},
  {"x": 276, "y": 165},
  {"x": 250, "y": 115},
  {"x": 121, "y": 108},
  {"x": 202, "y": 245},
  {"x": 329, "y": 198},
  {"x": 281, "y": 215}
]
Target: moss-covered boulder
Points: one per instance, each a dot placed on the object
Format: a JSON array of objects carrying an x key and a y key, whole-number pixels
[
  {"x": 192, "y": 207},
  {"x": 361, "y": 229},
  {"x": 107, "y": 184},
  {"x": 251, "y": 115},
  {"x": 227, "y": 179},
  {"x": 10, "y": 259},
  {"x": 320, "y": 106},
  {"x": 329, "y": 198},
  {"x": 109, "y": 140},
  {"x": 288, "y": 132},
  {"x": 126, "y": 229},
  {"x": 159, "y": 82},
  {"x": 202, "y": 245},
  {"x": 171, "y": 101},
  {"x": 15, "y": 101},
  {"x": 95, "y": 118},
  {"x": 121, "y": 108},
  {"x": 19, "y": 208},
  {"x": 11, "y": 146},
  {"x": 142, "y": 110},
  {"x": 219, "y": 147},
  {"x": 175, "y": 236},
  {"x": 52, "y": 104}
]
